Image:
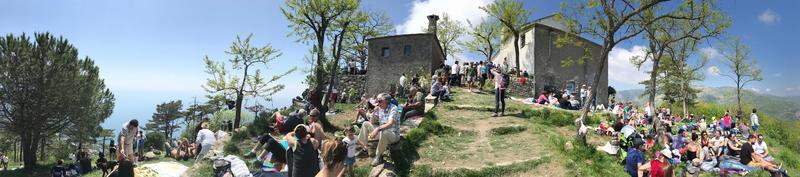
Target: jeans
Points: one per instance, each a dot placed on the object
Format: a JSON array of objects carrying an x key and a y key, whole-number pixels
[
  {"x": 709, "y": 165},
  {"x": 204, "y": 148},
  {"x": 438, "y": 94},
  {"x": 734, "y": 165},
  {"x": 400, "y": 90},
  {"x": 755, "y": 127},
  {"x": 500, "y": 100},
  {"x": 410, "y": 113}
]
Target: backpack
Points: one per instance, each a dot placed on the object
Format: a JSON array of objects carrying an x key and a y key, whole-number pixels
[
  {"x": 506, "y": 80},
  {"x": 221, "y": 166}
]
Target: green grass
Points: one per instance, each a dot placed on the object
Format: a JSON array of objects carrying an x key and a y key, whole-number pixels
[
  {"x": 492, "y": 171},
  {"x": 508, "y": 130}
]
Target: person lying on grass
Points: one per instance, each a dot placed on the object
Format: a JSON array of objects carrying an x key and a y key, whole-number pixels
[{"x": 269, "y": 145}]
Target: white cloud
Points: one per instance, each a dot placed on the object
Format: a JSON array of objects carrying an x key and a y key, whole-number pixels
[
  {"x": 789, "y": 89},
  {"x": 461, "y": 10},
  {"x": 768, "y": 90},
  {"x": 769, "y": 17},
  {"x": 755, "y": 90},
  {"x": 622, "y": 71},
  {"x": 710, "y": 53},
  {"x": 713, "y": 71},
  {"x": 777, "y": 75}
]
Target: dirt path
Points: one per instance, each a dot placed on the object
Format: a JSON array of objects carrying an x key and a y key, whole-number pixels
[{"x": 479, "y": 148}]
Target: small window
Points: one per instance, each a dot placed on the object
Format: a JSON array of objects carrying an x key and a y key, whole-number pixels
[
  {"x": 385, "y": 52},
  {"x": 407, "y": 50},
  {"x": 522, "y": 40}
]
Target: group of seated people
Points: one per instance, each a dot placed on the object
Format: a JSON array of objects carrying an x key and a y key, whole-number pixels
[
  {"x": 719, "y": 146},
  {"x": 300, "y": 143},
  {"x": 552, "y": 99},
  {"x": 182, "y": 150}
]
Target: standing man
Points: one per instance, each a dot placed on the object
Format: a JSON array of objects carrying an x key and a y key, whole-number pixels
[
  {"x": 126, "y": 139},
  {"x": 754, "y": 120},
  {"x": 454, "y": 74},
  {"x": 4, "y": 160},
  {"x": 402, "y": 85},
  {"x": 388, "y": 131},
  {"x": 583, "y": 95},
  {"x": 352, "y": 65},
  {"x": 499, "y": 93},
  {"x": 140, "y": 144}
]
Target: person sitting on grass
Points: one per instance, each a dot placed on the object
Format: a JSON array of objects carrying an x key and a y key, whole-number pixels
[
  {"x": 660, "y": 167},
  {"x": 388, "y": 131},
  {"x": 58, "y": 170},
  {"x": 269, "y": 145},
  {"x": 415, "y": 105},
  {"x": 750, "y": 158},
  {"x": 333, "y": 155},
  {"x": 542, "y": 100},
  {"x": 303, "y": 157},
  {"x": 635, "y": 158},
  {"x": 181, "y": 150}
]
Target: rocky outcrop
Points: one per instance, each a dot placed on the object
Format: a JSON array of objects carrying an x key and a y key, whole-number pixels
[
  {"x": 515, "y": 88},
  {"x": 354, "y": 82}
]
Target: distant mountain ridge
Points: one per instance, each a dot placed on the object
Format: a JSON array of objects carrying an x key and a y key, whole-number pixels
[{"x": 782, "y": 107}]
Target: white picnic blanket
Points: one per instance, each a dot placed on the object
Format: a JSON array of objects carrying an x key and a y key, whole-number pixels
[
  {"x": 238, "y": 166},
  {"x": 167, "y": 169}
]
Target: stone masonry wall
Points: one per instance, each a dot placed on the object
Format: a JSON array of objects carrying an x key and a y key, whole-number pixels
[
  {"x": 356, "y": 82},
  {"x": 516, "y": 89}
]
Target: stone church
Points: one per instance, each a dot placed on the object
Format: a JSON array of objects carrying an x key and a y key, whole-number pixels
[
  {"x": 391, "y": 56},
  {"x": 540, "y": 57}
]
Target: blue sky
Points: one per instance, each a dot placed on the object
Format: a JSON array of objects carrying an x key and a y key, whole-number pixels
[{"x": 151, "y": 51}]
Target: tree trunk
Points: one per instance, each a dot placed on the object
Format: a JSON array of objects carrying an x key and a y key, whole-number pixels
[
  {"x": 239, "y": 98},
  {"x": 516, "y": 50},
  {"x": 317, "y": 101},
  {"x": 585, "y": 107},
  {"x": 29, "y": 147},
  {"x": 42, "y": 144}
]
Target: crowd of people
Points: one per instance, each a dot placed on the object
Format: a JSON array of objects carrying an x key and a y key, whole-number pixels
[{"x": 728, "y": 145}]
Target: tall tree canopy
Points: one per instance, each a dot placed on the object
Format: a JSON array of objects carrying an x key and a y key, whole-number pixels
[
  {"x": 165, "y": 119},
  {"x": 612, "y": 22},
  {"x": 694, "y": 20},
  {"x": 513, "y": 15},
  {"x": 45, "y": 82},
  {"x": 485, "y": 37},
  {"x": 376, "y": 24},
  {"x": 743, "y": 68},
  {"x": 246, "y": 78},
  {"x": 311, "y": 20}
]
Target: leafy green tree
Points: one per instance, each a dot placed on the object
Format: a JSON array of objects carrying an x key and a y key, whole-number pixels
[
  {"x": 685, "y": 72},
  {"x": 449, "y": 31},
  {"x": 513, "y": 16},
  {"x": 695, "y": 20},
  {"x": 343, "y": 27},
  {"x": 377, "y": 24},
  {"x": 612, "y": 22},
  {"x": 247, "y": 79},
  {"x": 47, "y": 88},
  {"x": 743, "y": 68},
  {"x": 485, "y": 36},
  {"x": 311, "y": 20},
  {"x": 166, "y": 118}
]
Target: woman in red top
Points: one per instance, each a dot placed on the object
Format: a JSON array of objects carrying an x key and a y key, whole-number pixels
[{"x": 659, "y": 167}]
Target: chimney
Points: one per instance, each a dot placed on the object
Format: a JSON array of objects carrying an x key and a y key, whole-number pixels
[{"x": 432, "y": 23}]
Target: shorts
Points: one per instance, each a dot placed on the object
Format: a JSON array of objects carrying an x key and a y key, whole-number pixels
[{"x": 349, "y": 161}]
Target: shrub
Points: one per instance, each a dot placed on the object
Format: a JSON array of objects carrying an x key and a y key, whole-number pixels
[
  {"x": 260, "y": 124},
  {"x": 238, "y": 136},
  {"x": 155, "y": 140},
  {"x": 231, "y": 148},
  {"x": 434, "y": 127},
  {"x": 416, "y": 136}
]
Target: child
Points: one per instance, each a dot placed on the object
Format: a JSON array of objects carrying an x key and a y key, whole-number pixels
[
  {"x": 350, "y": 142},
  {"x": 58, "y": 170}
]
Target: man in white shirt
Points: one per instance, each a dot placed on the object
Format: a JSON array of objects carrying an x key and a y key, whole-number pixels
[
  {"x": 205, "y": 138},
  {"x": 4, "y": 160},
  {"x": 388, "y": 130},
  {"x": 754, "y": 120},
  {"x": 760, "y": 148},
  {"x": 454, "y": 74},
  {"x": 126, "y": 139},
  {"x": 352, "y": 65},
  {"x": 401, "y": 91}
]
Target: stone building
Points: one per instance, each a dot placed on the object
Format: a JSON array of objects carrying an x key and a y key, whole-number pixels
[
  {"x": 540, "y": 57},
  {"x": 390, "y": 56}
]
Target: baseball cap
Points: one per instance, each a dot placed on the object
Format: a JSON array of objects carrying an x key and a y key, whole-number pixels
[{"x": 666, "y": 153}]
